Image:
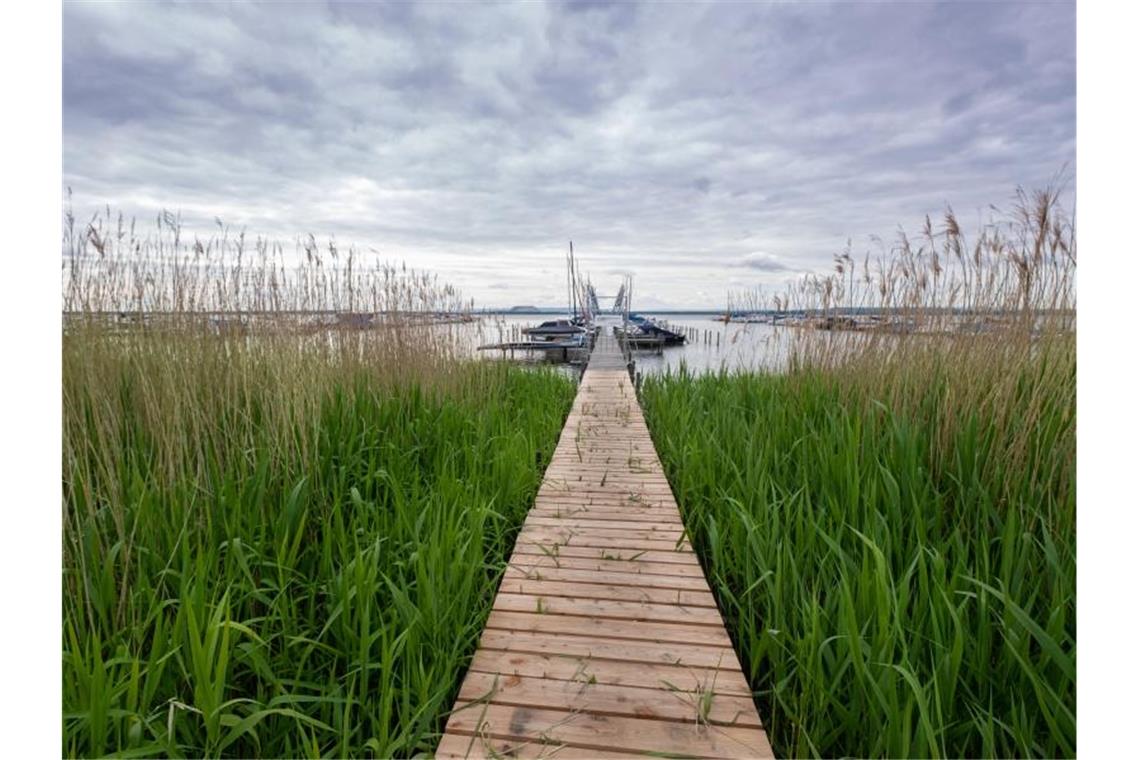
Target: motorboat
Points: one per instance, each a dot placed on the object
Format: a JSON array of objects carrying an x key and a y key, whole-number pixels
[
  {"x": 554, "y": 328},
  {"x": 651, "y": 329}
]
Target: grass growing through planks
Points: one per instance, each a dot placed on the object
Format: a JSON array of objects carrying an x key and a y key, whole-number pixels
[
  {"x": 278, "y": 542},
  {"x": 891, "y": 535}
]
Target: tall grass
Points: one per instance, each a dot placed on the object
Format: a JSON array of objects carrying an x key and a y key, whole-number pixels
[
  {"x": 1020, "y": 264},
  {"x": 891, "y": 532},
  {"x": 279, "y": 543},
  {"x": 111, "y": 264}
]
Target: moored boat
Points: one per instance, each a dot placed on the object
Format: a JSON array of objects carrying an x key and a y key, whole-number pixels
[
  {"x": 651, "y": 329},
  {"x": 554, "y": 328}
]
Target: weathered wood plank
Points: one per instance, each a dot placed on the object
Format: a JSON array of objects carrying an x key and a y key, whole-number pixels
[
  {"x": 635, "y": 580},
  {"x": 605, "y": 608},
  {"x": 569, "y": 513},
  {"x": 527, "y": 562},
  {"x": 567, "y": 530},
  {"x": 682, "y": 704},
  {"x": 490, "y": 748},
  {"x": 546, "y": 587},
  {"x": 547, "y": 535},
  {"x": 594, "y": 552},
  {"x": 573, "y": 625},
  {"x": 624, "y": 501},
  {"x": 670, "y": 653},
  {"x": 645, "y": 674},
  {"x": 607, "y": 732},
  {"x": 580, "y": 523}
]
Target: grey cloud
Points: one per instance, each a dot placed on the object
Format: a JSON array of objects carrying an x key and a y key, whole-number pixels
[
  {"x": 764, "y": 262},
  {"x": 663, "y": 139},
  {"x": 956, "y": 104}
]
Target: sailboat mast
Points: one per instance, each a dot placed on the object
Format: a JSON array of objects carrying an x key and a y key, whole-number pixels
[
  {"x": 573, "y": 282},
  {"x": 569, "y": 296}
]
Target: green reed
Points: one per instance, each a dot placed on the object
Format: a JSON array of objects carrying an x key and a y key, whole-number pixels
[
  {"x": 278, "y": 550},
  {"x": 890, "y": 527},
  {"x": 892, "y": 542}
]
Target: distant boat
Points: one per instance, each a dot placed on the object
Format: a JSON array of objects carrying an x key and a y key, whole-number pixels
[
  {"x": 751, "y": 318},
  {"x": 554, "y": 328}
]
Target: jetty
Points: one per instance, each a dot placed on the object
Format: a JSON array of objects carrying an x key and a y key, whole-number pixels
[
  {"x": 566, "y": 348},
  {"x": 604, "y": 639}
]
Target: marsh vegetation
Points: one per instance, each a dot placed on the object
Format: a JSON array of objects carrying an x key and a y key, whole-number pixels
[
  {"x": 284, "y": 524},
  {"x": 276, "y": 542},
  {"x": 891, "y": 532}
]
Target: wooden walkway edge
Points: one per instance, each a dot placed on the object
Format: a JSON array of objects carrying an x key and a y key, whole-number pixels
[{"x": 604, "y": 639}]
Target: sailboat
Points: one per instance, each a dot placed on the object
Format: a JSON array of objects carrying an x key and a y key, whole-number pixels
[{"x": 580, "y": 305}]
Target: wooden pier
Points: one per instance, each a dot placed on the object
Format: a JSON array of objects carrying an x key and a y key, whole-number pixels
[
  {"x": 604, "y": 639},
  {"x": 565, "y": 347}
]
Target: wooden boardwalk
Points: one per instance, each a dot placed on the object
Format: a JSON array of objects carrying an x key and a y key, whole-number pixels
[{"x": 604, "y": 639}]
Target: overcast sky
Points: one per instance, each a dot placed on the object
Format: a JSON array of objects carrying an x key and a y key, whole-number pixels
[{"x": 704, "y": 148}]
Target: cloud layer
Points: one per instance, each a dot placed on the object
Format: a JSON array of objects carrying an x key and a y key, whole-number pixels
[{"x": 703, "y": 148}]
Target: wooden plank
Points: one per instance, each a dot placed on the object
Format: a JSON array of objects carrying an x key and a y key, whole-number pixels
[
  {"x": 598, "y": 481},
  {"x": 626, "y": 502},
  {"x": 610, "y": 495},
  {"x": 594, "y": 552},
  {"x": 635, "y": 462},
  {"x": 668, "y": 653},
  {"x": 657, "y": 508},
  {"x": 633, "y": 533},
  {"x": 606, "y": 732},
  {"x": 602, "y": 462},
  {"x": 610, "y": 490},
  {"x": 572, "y": 469},
  {"x": 603, "y": 548},
  {"x": 635, "y": 580},
  {"x": 587, "y": 439},
  {"x": 584, "y": 442},
  {"x": 563, "y": 509},
  {"x": 644, "y": 674},
  {"x": 587, "y": 523},
  {"x": 595, "y": 481},
  {"x": 606, "y": 608},
  {"x": 528, "y": 562},
  {"x": 490, "y": 748},
  {"x": 618, "y": 472},
  {"x": 584, "y": 439},
  {"x": 683, "y": 704},
  {"x": 591, "y": 536},
  {"x": 568, "y": 512},
  {"x": 546, "y": 536},
  {"x": 642, "y": 539},
  {"x": 602, "y": 591},
  {"x": 572, "y": 625}
]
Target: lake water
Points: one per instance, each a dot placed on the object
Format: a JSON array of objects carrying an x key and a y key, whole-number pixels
[{"x": 711, "y": 346}]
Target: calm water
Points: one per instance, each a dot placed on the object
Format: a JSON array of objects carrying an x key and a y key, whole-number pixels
[{"x": 712, "y": 345}]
